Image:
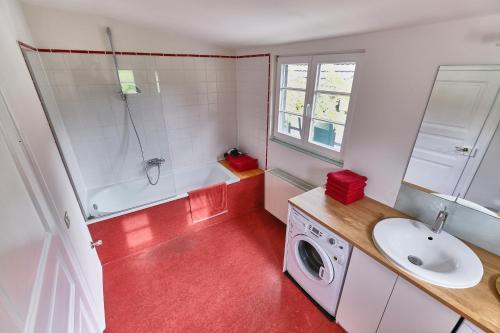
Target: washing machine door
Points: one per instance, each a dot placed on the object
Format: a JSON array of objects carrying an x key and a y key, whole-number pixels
[{"x": 312, "y": 259}]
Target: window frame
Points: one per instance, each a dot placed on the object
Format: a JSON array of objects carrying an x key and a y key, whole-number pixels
[{"x": 313, "y": 62}]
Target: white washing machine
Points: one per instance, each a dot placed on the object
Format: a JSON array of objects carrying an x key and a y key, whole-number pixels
[{"x": 316, "y": 259}]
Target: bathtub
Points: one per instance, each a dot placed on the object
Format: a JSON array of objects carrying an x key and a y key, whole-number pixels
[{"x": 123, "y": 198}]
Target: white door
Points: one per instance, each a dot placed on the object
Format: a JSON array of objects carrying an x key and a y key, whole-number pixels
[
  {"x": 40, "y": 289},
  {"x": 46, "y": 163},
  {"x": 458, "y": 107}
]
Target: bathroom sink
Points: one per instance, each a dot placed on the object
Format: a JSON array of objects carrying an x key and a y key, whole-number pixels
[{"x": 440, "y": 259}]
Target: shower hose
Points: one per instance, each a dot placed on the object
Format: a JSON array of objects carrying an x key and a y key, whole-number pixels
[{"x": 144, "y": 163}]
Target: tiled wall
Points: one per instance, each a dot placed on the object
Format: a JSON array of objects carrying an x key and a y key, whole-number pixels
[
  {"x": 199, "y": 97},
  {"x": 252, "y": 75},
  {"x": 186, "y": 112},
  {"x": 45, "y": 89}
]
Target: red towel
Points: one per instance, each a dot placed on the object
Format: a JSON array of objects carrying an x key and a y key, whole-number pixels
[
  {"x": 343, "y": 194},
  {"x": 242, "y": 162},
  {"x": 336, "y": 187},
  {"x": 346, "y": 199},
  {"x": 208, "y": 202},
  {"x": 345, "y": 176},
  {"x": 346, "y": 179}
]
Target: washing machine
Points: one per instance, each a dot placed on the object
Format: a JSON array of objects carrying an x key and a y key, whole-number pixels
[{"x": 316, "y": 259}]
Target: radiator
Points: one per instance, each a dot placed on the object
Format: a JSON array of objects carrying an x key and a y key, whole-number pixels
[{"x": 279, "y": 187}]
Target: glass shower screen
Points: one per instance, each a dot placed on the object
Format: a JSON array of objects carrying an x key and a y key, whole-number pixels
[{"x": 109, "y": 127}]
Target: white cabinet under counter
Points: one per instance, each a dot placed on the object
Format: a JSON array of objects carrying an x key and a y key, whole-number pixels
[
  {"x": 367, "y": 289},
  {"x": 468, "y": 327},
  {"x": 411, "y": 310},
  {"x": 375, "y": 299}
]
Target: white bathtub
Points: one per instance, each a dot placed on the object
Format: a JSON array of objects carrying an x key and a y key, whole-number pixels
[{"x": 123, "y": 198}]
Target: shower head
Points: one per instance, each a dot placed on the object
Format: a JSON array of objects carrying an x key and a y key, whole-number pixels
[{"x": 117, "y": 68}]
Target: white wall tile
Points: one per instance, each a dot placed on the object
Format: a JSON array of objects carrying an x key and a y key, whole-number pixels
[{"x": 191, "y": 121}]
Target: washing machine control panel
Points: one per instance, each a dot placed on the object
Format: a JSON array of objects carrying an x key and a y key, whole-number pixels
[
  {"x": 337, "y": 247},
  {"x": 315, "y": 231}
]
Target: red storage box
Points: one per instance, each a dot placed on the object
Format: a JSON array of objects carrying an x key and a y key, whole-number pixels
[{"x": 242, "y": 162}]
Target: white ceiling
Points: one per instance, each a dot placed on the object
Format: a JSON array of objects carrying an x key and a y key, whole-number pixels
[{"x": 239, "y": 23}]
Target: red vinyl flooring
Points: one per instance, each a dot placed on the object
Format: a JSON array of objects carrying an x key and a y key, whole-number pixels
[{"x": 223, "y": 277}]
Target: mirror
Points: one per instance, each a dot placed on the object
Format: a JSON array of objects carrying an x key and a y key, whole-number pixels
[{"x": 457, "y": 151}]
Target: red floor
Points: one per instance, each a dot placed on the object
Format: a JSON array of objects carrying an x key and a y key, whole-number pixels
[{"x": 225, "y": 277}]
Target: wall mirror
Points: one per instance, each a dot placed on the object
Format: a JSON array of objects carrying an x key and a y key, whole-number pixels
[{"x": 457, "y": 151}]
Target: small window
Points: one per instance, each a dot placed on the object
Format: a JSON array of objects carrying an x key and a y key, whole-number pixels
[
  {"x": 127, "y": 81},
  {"x": 314, "y": 102}
]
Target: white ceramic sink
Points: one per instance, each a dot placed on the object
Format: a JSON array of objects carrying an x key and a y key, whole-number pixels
[{"x": 440, "y": 259}]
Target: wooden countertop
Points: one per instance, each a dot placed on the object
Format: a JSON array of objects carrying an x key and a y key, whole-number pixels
[
  {"x": 355, "y": 223},
  {"x": 244, "y": 174}
]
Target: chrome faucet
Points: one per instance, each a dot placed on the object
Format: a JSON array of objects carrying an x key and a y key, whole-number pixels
[{"x": 440, "y": 221}]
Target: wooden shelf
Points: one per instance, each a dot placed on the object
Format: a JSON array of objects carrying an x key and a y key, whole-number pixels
[{"x": 244, "y": 174}]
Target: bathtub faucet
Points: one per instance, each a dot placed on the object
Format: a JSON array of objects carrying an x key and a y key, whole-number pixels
[{"x": 155, "y": 161}]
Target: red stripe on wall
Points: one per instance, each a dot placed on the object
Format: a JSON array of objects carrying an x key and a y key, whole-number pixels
[
  {"x": 156, "y": 54},
  {"x": 268, "y": 105},
  {"x": 253, "y": 55}
]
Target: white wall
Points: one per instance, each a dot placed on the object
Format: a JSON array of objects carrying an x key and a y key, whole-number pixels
[
  {"x": 396, "y": 76},
  {"x": 57, "y": 29},
  {"x": 252, "y": 90}
]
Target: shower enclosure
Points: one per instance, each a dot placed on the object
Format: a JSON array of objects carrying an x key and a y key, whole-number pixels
[{"x": 109, "y": 126}]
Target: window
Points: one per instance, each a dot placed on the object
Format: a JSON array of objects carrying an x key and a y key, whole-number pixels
[
  {"x": 314, "y": 103},
  {"x": 127, "y": 81}
]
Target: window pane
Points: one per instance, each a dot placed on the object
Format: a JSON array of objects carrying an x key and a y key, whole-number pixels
[
  {"x": 294, "y": 76},
  {"x": 290, "y": 124},
  {"x": 331, "y": 107},
  {"x": 292, "y": 101},
  {"x": 326, "y": 134},
  {"x": 336, "y": 77},
  {"x": 127, "y": 81}
]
